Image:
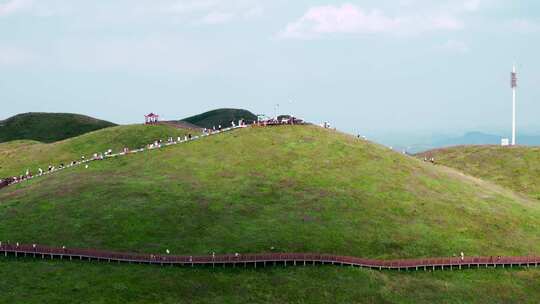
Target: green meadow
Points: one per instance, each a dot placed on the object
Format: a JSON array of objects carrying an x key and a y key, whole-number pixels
[
  {"x": 516, "y": 168},
  {"x": 286, "y": 189}
]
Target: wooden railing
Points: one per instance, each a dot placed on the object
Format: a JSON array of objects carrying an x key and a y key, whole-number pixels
[{"x": 267, "y": 259}]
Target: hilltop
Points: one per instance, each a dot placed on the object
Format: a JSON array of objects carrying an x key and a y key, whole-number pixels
[
  {"x": 517, "y": 168},
  {"x": 293, "y": 189},
  {"x": 222, "y": 117},
  {"x": 48, "y": 127}
]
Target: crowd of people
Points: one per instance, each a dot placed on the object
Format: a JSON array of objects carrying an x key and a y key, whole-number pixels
[
  {"x": 280, "y": 120},
  {"x": 157, "y": 144}
]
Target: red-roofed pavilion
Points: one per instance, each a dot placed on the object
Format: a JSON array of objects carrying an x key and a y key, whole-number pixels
[{"x": 151, "y": 118}]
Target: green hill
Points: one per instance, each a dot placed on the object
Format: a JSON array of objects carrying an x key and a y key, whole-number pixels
[
  {"x": 517, "y": 168},
  {"x": 222, "y": 117},
  {"x": 294, "y": 189},
  {"x": 48, "y": 127},
  {"x": 18, "y": 156}
]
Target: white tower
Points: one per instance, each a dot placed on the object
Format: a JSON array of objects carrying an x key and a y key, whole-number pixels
[{"x": 514, "y": 86}]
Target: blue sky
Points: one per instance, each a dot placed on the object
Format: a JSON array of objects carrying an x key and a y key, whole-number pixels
[{"x": 381, "y": 68}]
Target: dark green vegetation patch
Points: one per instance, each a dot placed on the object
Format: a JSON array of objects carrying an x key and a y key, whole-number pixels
[
  {"x": 222, "y": 117},
  {"x": 48, "y": 127}
]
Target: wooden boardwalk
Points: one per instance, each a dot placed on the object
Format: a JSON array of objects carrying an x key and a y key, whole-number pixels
[{"x": 265, "y": 260}]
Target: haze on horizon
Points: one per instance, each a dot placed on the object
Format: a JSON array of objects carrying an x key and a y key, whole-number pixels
[{"x": 381, "y": 68}]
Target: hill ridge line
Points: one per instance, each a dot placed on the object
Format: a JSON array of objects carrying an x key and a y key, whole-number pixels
[{"x": 273, "y": 259}]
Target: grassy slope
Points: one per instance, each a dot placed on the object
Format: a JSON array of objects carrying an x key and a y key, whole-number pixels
[
  {"x": 17, "y": 156},
  {"x": 56, "y": 282},
  {"x": 517, "y": 168},
  {"x": 17, "y": 144},
  {"x": 294, "y": 188},
  {"x": 222, "y": 117},
  {"x": 48, "y": 127}
]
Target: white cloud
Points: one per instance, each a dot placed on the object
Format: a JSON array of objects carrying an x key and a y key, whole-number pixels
[
  {"x": 14, "y": 6},
  {"x": 32, "y": 8},
  {"x": 351, "y": 19}
]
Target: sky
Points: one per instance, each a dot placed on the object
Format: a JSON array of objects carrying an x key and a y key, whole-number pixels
[{"x": 381, "y": 68}]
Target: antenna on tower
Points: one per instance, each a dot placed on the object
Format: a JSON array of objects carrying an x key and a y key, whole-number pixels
[{"x": 514, "y": 87}]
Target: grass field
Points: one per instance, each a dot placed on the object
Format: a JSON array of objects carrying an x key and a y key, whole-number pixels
[
  {"x": 17, "y": 156},
  {"x": 517, "y": 168},
  {"x": 76, "y": 282},
  {"x": 297, "y": 189},
  {"x": 48, "y": 127}
]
